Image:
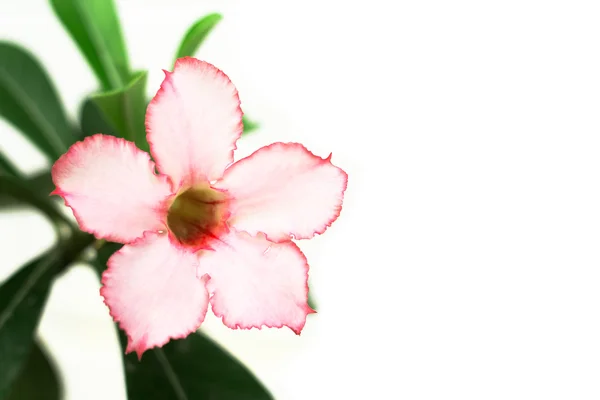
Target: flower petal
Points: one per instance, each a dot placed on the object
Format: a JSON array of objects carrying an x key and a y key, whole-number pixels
[
  {"x": 193, "y": 122},
  {"x": 255, "y": 282},
  {"x": 153, "y": 291},
  {"x": 111, "y": 186},
  {"x": 282, "y": 190}
]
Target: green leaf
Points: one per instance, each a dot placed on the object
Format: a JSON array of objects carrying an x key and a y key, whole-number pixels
[
  {"x": 38, "y": 379},
  {"x": 249, "y": 125},
  {"x": 7, "y": 167},
  {"x": 125, "y": 109},
  {"x": 94, "y": 26},
  {"x": 93, "y": 121},
  {"x": 197, "y": 34},
  {"x": 106, "y": 250},
  {"x": 311, "y": 302},
  {"x": 41, "y": 184},
  {"x": 191, "y": 368},
  {"x": 22, "y": 299},
  {"x": 19, "y": 190},
  {"x": 29, "y": 102}
]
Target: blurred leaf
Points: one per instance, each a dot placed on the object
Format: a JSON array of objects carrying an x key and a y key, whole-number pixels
[
  {"x": 103, "y": 254},
  {"x": 191, "y": 368},
  {"x": 40, "y": 183},
  {"x": 197, "y": 34},
  {"x": 7, "y": 167},
  {"x": 38, "y": 380},
  {"x": 249, "y": 125},
  {"x": 94, "y": 26},
  {"x": 93, "y": 121},
  {"x": 20, "y": 190},
  {"x": 311, "y": 302},
  {"x": 125, "y": 109},
  {"x": 22, "y": 299},
  {"x": 28, "y": 101}
]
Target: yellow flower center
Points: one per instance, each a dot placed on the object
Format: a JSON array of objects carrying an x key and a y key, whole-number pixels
[{"x": 197, "y": 214}]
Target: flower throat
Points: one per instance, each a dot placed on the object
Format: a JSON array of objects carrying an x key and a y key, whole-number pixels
[{"x": 197, "y": 214}]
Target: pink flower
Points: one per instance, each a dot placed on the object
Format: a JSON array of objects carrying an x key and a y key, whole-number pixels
[{"x": 203, "y": 229}]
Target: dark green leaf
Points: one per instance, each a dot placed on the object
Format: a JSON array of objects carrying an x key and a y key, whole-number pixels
[
  {"x": 7, "y": 167},
  {"x": 187, "y": 369},
  {"x": 103, "y": 254},
  {"x": 191, "y": 368},
  {"x": 94, "y": 26},
  {"x": 249, "y": 125},
  {"x": 125, "y": 109},
  {"x": 38, "y": 380},
  {"x": 40, "y": 183},
  {"x": 197, "y": 34},
  {"x": 29, "y": 102},
  {"x": 93, "y": 121},
  {"x": 20, "y": 190},
  {"x": 22, "y": 299}
]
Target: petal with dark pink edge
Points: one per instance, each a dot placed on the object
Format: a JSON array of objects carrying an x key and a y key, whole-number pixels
[
  {"x": 111, "y": 186},
  {"x": 282, "y": 190},
  {"x": 153, "y": 291},
  {"x": 193, "y": 122},
  {"x": 255, "y": 282}
]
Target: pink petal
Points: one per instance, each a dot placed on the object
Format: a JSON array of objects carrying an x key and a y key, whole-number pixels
[
  {"x": 111, "y": 186},
  {"x": 152, "y": 289},
  {"x": 255, "y": 282},
  {"x": 193, "y": 122},
  {"x": 282, "y": 190}
]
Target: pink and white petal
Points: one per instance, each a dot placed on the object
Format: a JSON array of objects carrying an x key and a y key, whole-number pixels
[
  {"x": 255, "y": 282},
  {"x": 283, "y": 190},
  {"x": 111, "y": 186},
  {"x": 153, "y": 291},
  {"x": 193, "y": 122}
]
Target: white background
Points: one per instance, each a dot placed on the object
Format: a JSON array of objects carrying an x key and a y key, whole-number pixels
[{"x": 465, "y": 263}]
